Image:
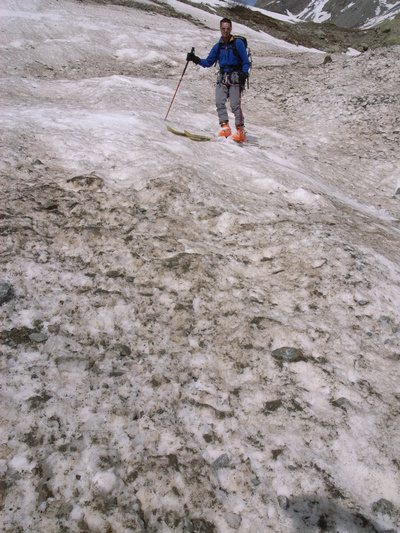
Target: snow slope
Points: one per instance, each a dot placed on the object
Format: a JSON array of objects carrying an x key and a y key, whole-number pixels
[{"x": 153, "y": 279}]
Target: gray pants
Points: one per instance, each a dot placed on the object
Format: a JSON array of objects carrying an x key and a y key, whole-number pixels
[{"x": 228, "y": 87}]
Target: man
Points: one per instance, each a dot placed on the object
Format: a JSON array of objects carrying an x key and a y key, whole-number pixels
[{"x": 234, "y": 66}]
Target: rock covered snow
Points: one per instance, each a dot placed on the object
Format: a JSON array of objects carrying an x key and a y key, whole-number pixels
[{"x": 195, "y": 336}]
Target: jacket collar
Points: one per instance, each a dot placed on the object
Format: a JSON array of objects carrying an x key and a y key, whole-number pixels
[{"x": 230, "y": 40}]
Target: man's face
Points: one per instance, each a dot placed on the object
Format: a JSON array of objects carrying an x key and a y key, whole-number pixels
[{"x": 225, "y": 30}]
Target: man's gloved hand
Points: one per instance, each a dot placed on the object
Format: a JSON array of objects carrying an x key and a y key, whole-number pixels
[
  {"x": 192, "y": 57},
  {"x": 243, "y": 77}
]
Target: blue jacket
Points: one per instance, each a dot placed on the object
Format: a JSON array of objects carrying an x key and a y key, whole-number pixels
[{"x": 227, "y": 60}]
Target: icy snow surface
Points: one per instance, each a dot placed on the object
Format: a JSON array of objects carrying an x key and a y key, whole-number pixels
[{"x": 154, "y": 277}]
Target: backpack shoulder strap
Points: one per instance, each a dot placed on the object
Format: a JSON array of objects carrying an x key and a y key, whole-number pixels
[{"x": 236, "y": 53}]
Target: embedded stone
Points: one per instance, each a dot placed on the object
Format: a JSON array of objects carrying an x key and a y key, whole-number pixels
[
  {"x": 123, "y": 350},
  {"x": 289, "y": 355},
  {"x": 233, "y": 520},
  {"x": 283, "y": 502},
  {"x": 221, "y": 462},
  {"x": 383, "y": 506},
  {"x": 270, "y": 407},
  {"x": 38, "y": 337},
  {"x": 5, "y": 292}
]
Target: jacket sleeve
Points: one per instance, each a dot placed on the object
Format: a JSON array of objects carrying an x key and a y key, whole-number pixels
[
  {"x": 241, "y": 50},
  {"x": 211, "y": 59}
]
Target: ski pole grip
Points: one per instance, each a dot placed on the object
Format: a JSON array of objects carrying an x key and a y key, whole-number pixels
[{"x": 192, "y": 51}]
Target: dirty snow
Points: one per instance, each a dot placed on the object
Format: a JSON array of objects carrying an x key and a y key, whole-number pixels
[{"x": 153, "y": 277}]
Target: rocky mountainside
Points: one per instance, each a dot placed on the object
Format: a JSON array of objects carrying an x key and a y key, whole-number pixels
[
  {"x": 326, "y": 37},
  {"x": 343, "y": 13}
]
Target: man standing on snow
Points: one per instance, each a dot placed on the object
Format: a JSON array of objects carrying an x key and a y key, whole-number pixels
[{"x": 234, "y": 66}]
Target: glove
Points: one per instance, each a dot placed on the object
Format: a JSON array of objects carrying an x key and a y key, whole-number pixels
[
  {"x": 243, "y": 77},
  {"x": 192, "y": 57}
]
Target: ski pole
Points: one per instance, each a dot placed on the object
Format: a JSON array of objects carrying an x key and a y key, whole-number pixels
[
  {"x": 183, "y": 73},
  {"x": 240, "y": 105}
]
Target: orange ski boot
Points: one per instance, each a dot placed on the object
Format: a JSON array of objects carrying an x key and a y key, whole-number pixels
[
  {"x": 225, "y": 130},
  {"x": 240, "y": 136}
]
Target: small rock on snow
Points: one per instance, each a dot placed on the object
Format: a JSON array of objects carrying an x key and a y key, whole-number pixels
[
  {"x": 233, "y": 520},
  {"x": 383, "y": 506},
  {"x": 38, "y": 337},
  {"x": 5, "y": 292},
  {"x": 221, "y": 462},
  {"x": 283, "y": 502},
  {"x": 290, "y": 355},
  {"x": 124, "y": 351},
  {"x": 270, "y": 407}
]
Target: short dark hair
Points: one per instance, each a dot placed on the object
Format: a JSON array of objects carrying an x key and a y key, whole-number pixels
[{"x": 225, "y": 20}]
